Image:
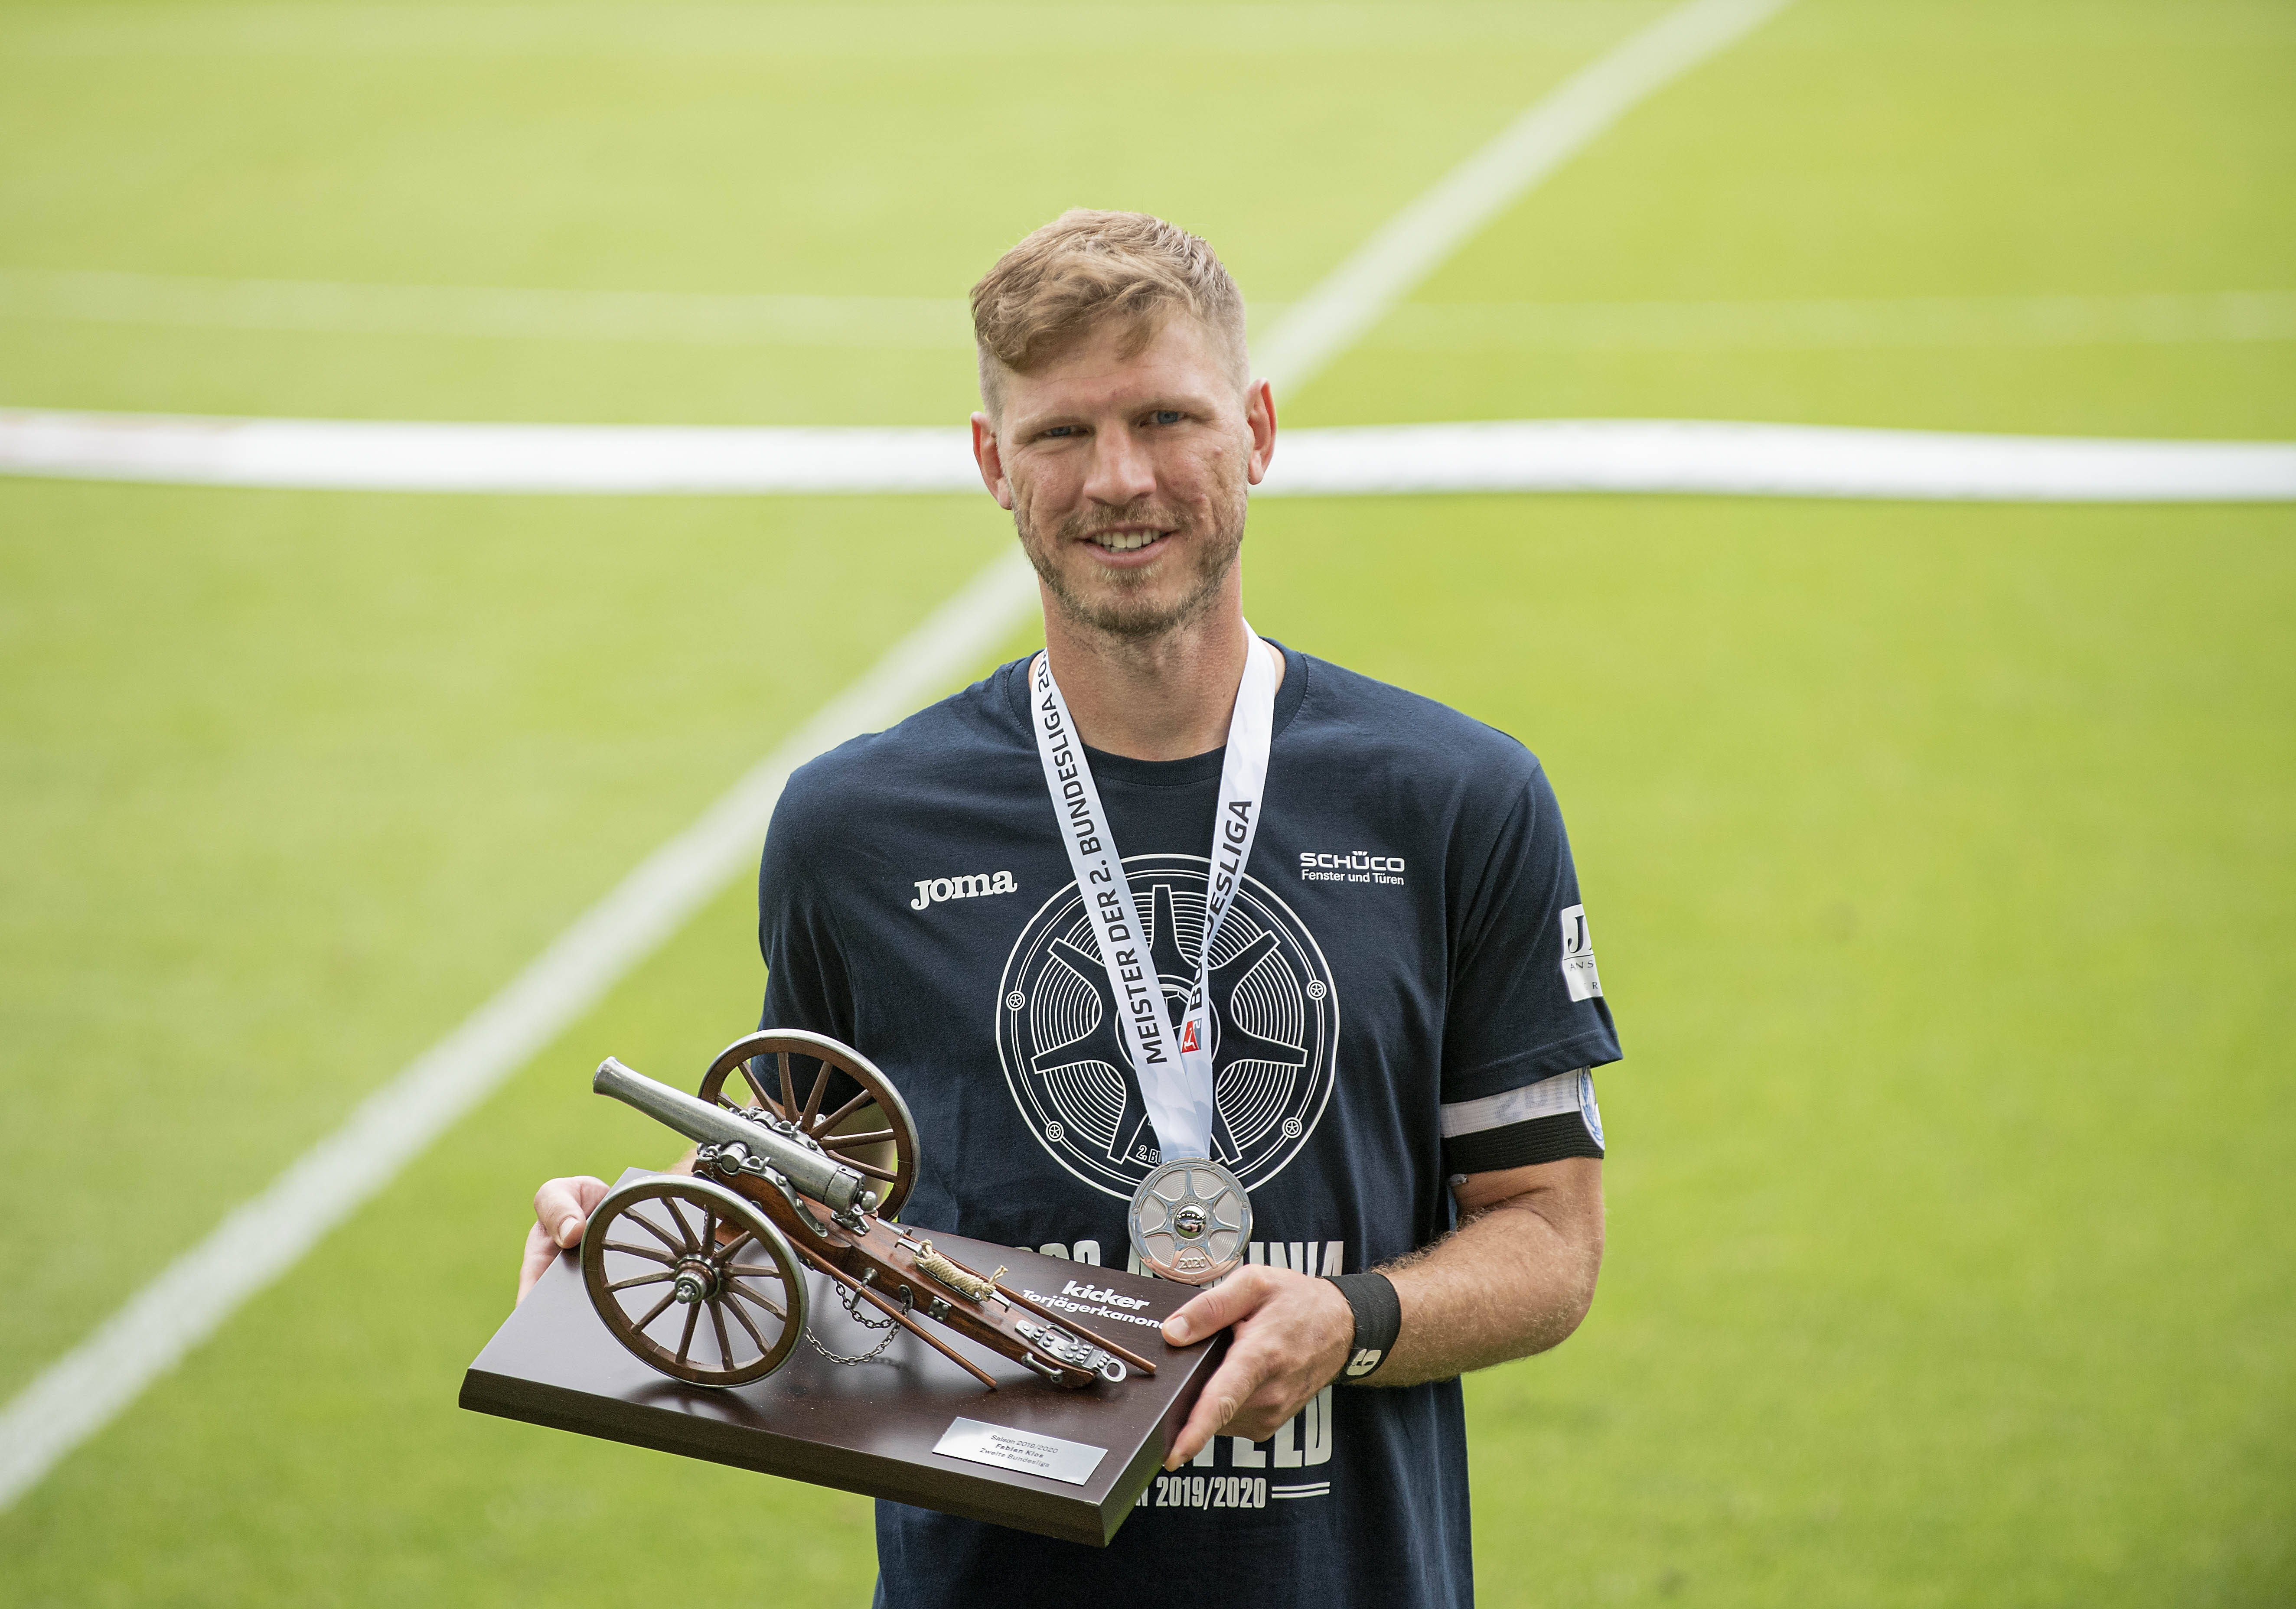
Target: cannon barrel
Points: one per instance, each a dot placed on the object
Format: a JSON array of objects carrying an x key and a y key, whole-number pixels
[{"x": 828, "y": 1181}]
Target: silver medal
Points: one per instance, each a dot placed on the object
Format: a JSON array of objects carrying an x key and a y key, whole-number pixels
[{"x": 1190, "y": 1221}]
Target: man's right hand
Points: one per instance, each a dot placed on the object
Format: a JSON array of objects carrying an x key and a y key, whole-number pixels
[{"x": 560, "y": 1208}]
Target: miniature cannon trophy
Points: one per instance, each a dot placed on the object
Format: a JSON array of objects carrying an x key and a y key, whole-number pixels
[
  {"x": 710, "y": 1279},
  {"x": 701, "y": 1276}
]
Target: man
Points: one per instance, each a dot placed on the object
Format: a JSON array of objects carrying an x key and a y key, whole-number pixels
[{"x": 1399, "y": 1004}]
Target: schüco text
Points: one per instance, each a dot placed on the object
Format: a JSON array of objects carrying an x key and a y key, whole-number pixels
[{"x": 1354, "y": 866}]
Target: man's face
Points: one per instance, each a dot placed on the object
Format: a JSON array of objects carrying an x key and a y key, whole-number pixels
[{"x": 1126, "y": 474}]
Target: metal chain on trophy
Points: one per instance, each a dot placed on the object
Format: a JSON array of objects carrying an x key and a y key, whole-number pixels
[{"x": 850, "y": 1301}]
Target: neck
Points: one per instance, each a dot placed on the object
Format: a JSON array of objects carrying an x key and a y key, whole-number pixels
[{"x": 1161, "y": 697}]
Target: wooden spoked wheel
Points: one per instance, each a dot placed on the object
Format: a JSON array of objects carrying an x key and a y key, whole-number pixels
[
  {"x": 693, "y": 1279},
  {"x": 754, "y": 1071}
]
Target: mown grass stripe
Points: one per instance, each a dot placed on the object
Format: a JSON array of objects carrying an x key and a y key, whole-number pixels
[
  {"x": 529, "y": 312},
  {"x": 862, "y": 322}
]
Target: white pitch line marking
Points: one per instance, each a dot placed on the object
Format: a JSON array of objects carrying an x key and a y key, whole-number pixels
[
  {"x": 373, "y": 455},
  {"x": 1412, "y": 243},
  {"x": 1722, "y": 458},
  {"x": 83, "y": 1391}
]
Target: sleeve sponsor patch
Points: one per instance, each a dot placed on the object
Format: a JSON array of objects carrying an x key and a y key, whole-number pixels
[{"x": 1578, "y": 973}]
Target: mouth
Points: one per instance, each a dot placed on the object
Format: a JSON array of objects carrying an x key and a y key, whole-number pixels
[{"x": 1127, "y": 540}]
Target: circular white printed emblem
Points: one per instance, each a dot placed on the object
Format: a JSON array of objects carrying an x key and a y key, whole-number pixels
[
  {"x": 1274, "y": 1023},
  {"x": 1589, "y": 1112}
]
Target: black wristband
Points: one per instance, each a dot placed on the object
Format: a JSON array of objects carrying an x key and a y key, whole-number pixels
[{"x": 1379, "y": 1319}]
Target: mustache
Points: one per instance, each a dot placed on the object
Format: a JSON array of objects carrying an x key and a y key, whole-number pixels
[{"x": 1100, "y": 520}]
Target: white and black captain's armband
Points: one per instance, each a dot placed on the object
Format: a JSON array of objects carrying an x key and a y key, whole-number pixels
[
  {"x": 1544, "y": 1122},
  {"x": 1379, "y": 1319}
]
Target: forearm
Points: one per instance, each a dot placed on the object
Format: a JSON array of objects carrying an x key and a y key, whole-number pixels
[{"x": 1514, "y": 1279}]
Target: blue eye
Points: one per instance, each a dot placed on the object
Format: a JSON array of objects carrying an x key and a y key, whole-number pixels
[
  {"x": 1165, "y": 416},
  {"x": 1062, "y": 430}
]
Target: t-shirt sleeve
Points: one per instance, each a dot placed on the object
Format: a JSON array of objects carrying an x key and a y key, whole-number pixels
[
  {"x": 1526, "y": 1003},
  {"x": 808, "y": 983}
]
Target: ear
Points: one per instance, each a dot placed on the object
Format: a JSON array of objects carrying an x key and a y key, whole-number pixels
[
  {"x": 991, "y": 459},
  {"x": 1259, "y": 418}
]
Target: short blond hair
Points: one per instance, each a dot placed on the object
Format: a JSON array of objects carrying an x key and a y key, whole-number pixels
[{"x": 1085, "y": 269}]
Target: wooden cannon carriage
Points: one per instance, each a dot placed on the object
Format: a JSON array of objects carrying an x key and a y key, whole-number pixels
[{"x": 702, "y": 1276}]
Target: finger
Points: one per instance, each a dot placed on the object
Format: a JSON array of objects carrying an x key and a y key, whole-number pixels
[
  {"x": 1213, "y": 1310},
  {"x": 562, "y": 1207},
  {"x": 1224, "y": 1395},
  {"x": 541, "y": 1252},
  {"x": 1203, "y": 1424},
  {"x": 1219, "y": 1405}
]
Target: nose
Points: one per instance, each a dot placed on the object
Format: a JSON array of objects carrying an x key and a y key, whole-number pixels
[{"x": 1122, "y": 470}]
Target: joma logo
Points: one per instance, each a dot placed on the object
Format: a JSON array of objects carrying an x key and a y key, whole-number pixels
[{"x": 931, "y": 891}]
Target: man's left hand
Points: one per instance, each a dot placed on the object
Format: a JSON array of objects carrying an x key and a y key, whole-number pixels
[{"x": 1291, "y": 1339}]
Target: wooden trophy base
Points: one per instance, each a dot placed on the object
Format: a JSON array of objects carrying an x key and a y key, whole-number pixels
[{"x": 1066, "y": 1464}]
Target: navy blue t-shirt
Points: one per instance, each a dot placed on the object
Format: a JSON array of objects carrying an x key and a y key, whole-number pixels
[{"x": 1406, "y": 970}]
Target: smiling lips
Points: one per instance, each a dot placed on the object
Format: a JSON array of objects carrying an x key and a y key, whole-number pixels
[{"x": 1124, "y": 541}]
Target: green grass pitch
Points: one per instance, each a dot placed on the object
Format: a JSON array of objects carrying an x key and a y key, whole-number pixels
[{"x": 1938, "y": 855}]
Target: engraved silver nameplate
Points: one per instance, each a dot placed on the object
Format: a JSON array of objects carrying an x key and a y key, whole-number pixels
[{"x": 1030, "y": 1451}]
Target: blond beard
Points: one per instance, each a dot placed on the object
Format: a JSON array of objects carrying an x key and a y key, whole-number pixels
[{"x": 1126, "y": 609}]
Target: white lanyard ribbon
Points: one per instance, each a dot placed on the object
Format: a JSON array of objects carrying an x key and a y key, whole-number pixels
[{"x": 1175, "y": 1069}]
